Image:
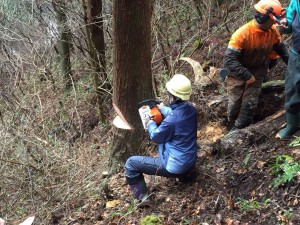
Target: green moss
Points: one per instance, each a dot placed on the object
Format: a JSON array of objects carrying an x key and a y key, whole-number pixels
[{"x": 151, "y": 220}]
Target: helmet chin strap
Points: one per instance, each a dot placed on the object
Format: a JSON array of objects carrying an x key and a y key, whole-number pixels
[
  {"x": 173, "y": 99},
  {"x": 170, "y": 98}
]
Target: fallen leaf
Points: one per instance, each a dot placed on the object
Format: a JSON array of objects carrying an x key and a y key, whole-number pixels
[
  {"x": 260, "y": 164},
  {"x": 228, "y": 221},
  {"x": 295, "y": 202},
  {"x": 113, "y": 203},
  {"x": 296, "y": 153},
  {"x": 220, "y": 169},
  {"x": 230, "y": 204}
]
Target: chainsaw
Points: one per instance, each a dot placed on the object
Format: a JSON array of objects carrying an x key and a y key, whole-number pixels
[{"x": 148, "y": 110}]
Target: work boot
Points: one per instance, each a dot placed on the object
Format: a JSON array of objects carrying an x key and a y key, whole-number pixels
[
  {"x": 139, "y": 190},
  {"x": 231, "y": 131},
  {"x": 292, "y": 126}
]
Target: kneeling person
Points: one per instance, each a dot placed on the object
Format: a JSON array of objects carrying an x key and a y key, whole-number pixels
[{"x": 176, "y": 136}]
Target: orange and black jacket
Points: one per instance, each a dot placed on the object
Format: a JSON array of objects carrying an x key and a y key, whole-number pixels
[{"x": 251, "y": 47}]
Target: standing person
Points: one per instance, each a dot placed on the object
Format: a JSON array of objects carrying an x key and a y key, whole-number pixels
[
  {"x": 291, "y": 24},
  {"x": 176, "y": 136},
  {"x": 247, "y": 59}
]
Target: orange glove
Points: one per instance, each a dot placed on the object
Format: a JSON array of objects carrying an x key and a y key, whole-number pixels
[
  {"x": 156, "y": 115},
  {"x": 250, "y": 81}
]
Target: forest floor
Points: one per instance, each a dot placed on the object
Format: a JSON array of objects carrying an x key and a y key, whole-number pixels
[
  {"x": 231, "y": 188},
  {"x": 236, "y": 187}
]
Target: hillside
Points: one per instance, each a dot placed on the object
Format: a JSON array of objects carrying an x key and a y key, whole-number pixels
[{"x": 55, "y": 151}]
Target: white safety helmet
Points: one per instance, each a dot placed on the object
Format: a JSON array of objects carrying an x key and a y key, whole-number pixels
[{"x": 180, "y": 86}]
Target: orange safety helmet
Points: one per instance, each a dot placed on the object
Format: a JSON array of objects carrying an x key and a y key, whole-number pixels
[{"x": 269, "y": 7}]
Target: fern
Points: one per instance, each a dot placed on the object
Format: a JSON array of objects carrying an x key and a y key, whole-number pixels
[
  {"x": 285, "y": 169},
  {"x": 295, "y": 142}
]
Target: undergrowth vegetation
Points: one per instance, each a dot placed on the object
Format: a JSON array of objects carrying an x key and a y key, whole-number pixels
[
  {"x": 53, "y": 148},
  {"x": 42, "y": 161}
]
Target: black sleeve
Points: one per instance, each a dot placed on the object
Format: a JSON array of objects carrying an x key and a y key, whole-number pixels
[
  {"x": 282, "y": 51},
  {"x": 232, "y": 63}
]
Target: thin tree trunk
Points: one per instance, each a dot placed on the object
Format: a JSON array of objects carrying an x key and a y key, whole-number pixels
[
  {"x": 96, "y": 27},
  {"x": 132, "y": 81},
  {"x": 64, "y": 40},
  {"x": 97, "y": 67}
]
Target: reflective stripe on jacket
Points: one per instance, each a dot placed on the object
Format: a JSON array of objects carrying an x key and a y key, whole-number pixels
[
  {"x": 250, "y": 46},
  {"x": 177, "y": 138}
]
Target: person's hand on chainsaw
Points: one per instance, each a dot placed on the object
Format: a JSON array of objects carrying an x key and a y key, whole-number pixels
[
  {"x": 160, "y": 105},
  {"x": 165, "y": 110},
  {"x": 156, "y": 115},
  {"x": 250, "y": 81}
]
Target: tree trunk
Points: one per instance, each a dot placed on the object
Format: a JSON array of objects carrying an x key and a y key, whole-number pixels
[
  {"x": 64, "y": 40},
  {"x": 132, "y": 81},
  {"x": 91, "y": 11},
  {"x": 96, "y": 27}
]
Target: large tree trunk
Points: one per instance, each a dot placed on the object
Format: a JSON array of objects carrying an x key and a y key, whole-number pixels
[
  {"x": 132, "y": 73},
  {"x": 64, "y": 40}
]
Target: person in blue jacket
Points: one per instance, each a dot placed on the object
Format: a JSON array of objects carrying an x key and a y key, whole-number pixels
[
  {"x": 291, "y": 24},
  {"x": 176, "y": 136}
]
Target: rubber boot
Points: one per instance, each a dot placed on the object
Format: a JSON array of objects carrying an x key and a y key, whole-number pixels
[
  {"x": 292, "y": 126},
  {"x": 139, "y": 190}
]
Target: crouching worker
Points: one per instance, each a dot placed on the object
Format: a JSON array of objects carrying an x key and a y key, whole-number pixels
[{"x": 177, "y": 139}]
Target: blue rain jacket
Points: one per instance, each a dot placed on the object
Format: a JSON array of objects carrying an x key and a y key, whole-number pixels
[
  {"x": 292, "y": 17},
  {"x": 177, "y": 137}
]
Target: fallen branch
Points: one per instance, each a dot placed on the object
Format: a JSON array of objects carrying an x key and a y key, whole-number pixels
[{"x": 252, "y": 134}]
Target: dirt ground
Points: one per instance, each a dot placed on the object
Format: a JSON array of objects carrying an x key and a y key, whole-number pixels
[{"x": 227, "y": 187}]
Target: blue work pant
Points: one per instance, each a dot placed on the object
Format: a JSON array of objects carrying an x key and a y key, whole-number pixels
[{"x": 136, "y": 166}]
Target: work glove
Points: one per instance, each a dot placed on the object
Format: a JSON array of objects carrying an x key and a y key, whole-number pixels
[
  {"x": 250, "y": 81},
  {"x": 156, "y": 115},
  {"x": 165, "y": 110},
  {"x": 282, "y": 25}
]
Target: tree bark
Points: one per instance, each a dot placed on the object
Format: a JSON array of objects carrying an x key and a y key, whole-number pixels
[
  {"x": 64, "y": 40},
  {"x": 132, "y": 81}
]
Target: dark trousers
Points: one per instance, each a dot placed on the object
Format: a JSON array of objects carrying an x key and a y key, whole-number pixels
[
  {"x": 292, "y": 84},
  {"x": 243, "y": 100}
]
